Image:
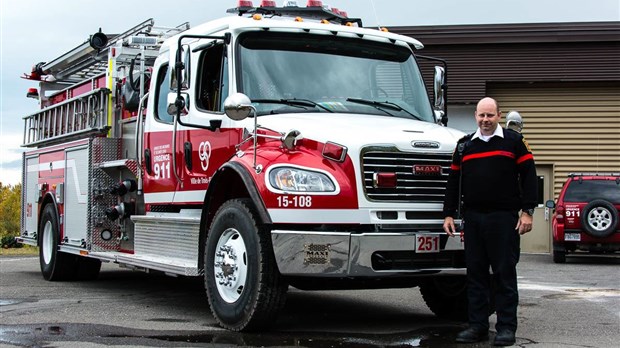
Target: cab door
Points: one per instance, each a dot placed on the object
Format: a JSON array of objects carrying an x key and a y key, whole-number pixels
[{"x": 207, "y": 145}]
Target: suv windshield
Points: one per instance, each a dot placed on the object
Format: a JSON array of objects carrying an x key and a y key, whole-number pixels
[
  {"x": 587, "y": 190},
  {"x": 339, "y": 74}
]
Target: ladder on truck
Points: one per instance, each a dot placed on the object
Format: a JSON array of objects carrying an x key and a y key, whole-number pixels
[{"x": 82, "y": 79}]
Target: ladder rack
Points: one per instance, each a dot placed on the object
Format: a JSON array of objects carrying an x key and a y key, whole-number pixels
[
  {"x": 72, "y": 119},
  {"x": 87, "y": 104},
  {"x": 84, "y": 61}
]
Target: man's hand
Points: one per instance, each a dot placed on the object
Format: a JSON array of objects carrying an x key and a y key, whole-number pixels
[
  {"x": 448, "y": 226},
  {"x": 524, "y": 225}
]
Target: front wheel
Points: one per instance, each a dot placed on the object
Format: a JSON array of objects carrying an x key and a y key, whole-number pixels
[
  {"x": 446, "y": 296},
  {"x": 244, "y": 287}
]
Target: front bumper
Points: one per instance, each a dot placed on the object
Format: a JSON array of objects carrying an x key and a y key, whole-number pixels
[{"x": 346, "y": 254}]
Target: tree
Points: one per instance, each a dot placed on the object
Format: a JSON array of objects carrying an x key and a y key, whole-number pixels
[{"x": 10, "y": 211}]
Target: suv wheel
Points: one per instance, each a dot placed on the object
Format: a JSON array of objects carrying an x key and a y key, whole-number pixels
[
  {"x": 559, "y": 256},
  {"x": 599, "y": 218}
]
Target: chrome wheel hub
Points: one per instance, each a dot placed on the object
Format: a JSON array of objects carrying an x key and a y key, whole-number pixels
[
  {"x": 47, "y": 244},
  {"x": 230, "y": 265}
]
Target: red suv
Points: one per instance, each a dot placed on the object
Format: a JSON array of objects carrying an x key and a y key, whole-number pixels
[{"x": 586, "y": 215}]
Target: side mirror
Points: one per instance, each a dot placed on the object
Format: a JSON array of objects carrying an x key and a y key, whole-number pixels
[
  {"x": 439, "y": 85},
  {"x": 238, "y": 106},
  {"x": 440, "y": 116},
  {"x": 180, "y": 69},
  {"x": 550, "y": 204}
]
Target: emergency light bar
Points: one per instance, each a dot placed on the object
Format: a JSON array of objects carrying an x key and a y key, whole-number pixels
[{"x": 314, "y": 10}]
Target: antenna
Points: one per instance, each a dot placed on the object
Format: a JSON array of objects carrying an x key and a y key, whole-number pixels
[{"x": 372, "y": 2}]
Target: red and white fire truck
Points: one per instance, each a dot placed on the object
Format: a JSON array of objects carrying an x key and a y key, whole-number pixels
[{"x": 274, "y": 147}]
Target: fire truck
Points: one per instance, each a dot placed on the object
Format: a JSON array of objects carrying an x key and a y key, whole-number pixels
[{"x": 277, "y": 146}]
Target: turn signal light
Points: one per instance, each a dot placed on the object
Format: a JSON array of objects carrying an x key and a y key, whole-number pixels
[{"x": 334, "y": 152}]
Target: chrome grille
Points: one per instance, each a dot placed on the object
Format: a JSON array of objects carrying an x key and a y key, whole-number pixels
[{"x": 410, "y": 187}]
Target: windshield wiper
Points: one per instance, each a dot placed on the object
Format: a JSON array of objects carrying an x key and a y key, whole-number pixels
[
  {"x": 381, "y": 105},
  {"x": 293, "y": 102}
]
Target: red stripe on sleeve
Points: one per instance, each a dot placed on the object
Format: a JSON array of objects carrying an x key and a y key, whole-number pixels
[
  {"x": 524, "y": 158},
  {"x": 489, "y": 154}
]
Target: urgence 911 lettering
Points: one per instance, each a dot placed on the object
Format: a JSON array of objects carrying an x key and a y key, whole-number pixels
[
  {"x": 294, "y": 201},
  {"x": 161, "y": 166}
]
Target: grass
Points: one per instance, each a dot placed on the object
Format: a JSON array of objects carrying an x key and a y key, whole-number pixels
[{"x": 26, "y": 250}]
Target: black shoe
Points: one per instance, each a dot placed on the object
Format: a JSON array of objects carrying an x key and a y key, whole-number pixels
[
  {"x": 472, "y": 334},
  {"x": 504, "y": 338}
]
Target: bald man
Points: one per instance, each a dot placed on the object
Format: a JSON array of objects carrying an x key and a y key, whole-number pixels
[{"x": 488, "y": 168}]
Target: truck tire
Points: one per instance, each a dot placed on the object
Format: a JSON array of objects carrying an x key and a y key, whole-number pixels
[
  {"x": 446, "y": 296},
  {"x": 599, "y": 218},
  {"x": 244, "y": 287},
  {"x": 55, "y": 265},
  {"x": 87, "y": 268}
]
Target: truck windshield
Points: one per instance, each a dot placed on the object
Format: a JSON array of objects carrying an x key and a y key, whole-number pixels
[{"x": 339, "y": 74}]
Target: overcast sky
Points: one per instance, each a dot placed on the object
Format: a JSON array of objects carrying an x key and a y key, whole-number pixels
[{"x": 32, "y": 31}]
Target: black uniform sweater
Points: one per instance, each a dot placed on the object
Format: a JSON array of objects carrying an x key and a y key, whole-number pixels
[{"x": 497, "y": 175}]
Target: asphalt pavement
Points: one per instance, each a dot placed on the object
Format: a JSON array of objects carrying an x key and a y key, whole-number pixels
[{"x": 576, "y": 304}]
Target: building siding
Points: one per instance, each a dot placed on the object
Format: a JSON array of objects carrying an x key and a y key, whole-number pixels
[{"x": 575, "y": 127}]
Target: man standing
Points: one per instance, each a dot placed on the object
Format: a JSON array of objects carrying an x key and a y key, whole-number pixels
[{"x": 487, "y": 169}]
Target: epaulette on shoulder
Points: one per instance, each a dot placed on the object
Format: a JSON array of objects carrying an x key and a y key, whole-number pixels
[
  {"x": 513, "y": 133},
  {"x": 465, "y": 138}
]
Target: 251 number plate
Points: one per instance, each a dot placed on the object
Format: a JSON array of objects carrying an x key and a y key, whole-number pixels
[{"x": 427, "y": 243}]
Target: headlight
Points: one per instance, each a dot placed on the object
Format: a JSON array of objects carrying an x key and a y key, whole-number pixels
[{"x": 300, "y": 180}]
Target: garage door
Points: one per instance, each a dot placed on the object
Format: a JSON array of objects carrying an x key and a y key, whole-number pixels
[{"x": 574, "y": 127}]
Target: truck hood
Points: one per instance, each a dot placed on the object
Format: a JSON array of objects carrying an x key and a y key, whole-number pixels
[{"x": 358, "y": 130}]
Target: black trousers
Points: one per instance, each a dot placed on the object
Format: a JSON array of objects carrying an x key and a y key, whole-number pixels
[{"x": 491, "y": 240}]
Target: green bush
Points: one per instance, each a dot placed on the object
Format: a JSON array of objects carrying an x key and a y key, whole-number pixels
[
  {"x": 9, "y": 242},
  {"x": 10, "y": 210}
]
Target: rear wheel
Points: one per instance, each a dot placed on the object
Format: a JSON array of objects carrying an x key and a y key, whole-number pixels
[
  {"x": 244, "y": 287},
  {"x": 559, "y": 256},
  {"x": 87, "y": 268},
  {"x": 55, "y": 265}
]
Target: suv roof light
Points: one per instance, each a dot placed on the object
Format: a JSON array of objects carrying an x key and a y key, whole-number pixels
[{"x": 314, "y": 3}]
